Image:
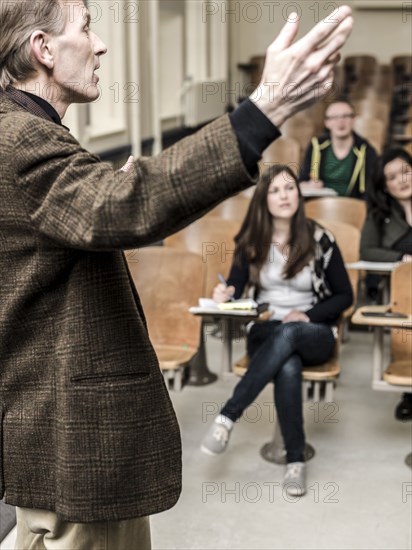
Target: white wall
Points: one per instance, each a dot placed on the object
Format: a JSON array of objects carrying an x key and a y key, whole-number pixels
[{"x": 163, "y": 45}]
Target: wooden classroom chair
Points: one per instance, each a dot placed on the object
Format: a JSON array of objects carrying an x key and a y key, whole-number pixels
[
  {"x": 397, "y": 376},
  {"x": 373, "y": 108},
  {"x": 360, "y": 68},
  {"x": 233, "y": 208},
  {"x": 169, "y": 281},
  {"x": 372, "y": 129},
  {"x": 213, "y": 239},
  {"x": 301, "y": 128},
  {"x": 399, "y": 371},
  {"x": 284, "y": 150},
  {"x": 402, "y": 68},
  {"x": 348, "y": 239},
  {"x": 404, "y": 138},
  {"x": 344, "y": 209}
]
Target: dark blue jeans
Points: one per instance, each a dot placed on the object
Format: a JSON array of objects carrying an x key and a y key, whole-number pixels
[{"x": 277, "y": 352}]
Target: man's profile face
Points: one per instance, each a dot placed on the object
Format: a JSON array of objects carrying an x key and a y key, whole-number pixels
[
  {"x": 76, "y": 55},
  {"x": 339, "y": 120}
]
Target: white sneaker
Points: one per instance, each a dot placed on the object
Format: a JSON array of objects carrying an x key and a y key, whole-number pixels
[
  {"x": 294, "y": 481},
  {"x": 216, "y": 439}
]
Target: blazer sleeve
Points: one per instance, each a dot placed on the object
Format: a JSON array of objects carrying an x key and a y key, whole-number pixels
[
  {"x": 76, "y": 201},
  {"x": 337, "y": 278},
  {"x": 371, "y": 248}
]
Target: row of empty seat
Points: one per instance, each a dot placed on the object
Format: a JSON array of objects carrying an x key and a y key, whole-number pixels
[{"x": 381, "y": 95}]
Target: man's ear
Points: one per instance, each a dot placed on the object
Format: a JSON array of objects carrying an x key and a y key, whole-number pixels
[{"x": 40, "y": 47}]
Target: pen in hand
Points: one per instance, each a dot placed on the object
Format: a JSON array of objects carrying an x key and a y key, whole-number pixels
[{"x": 223, "y": 281}]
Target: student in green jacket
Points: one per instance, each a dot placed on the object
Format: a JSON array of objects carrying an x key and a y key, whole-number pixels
[{"x": 340, "y": 159}]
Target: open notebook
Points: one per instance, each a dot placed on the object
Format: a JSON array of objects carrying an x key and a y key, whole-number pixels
[{"x": 246, "y": 307}]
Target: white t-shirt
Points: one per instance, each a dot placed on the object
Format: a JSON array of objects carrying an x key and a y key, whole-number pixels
[{"x": 283, "y": 295}]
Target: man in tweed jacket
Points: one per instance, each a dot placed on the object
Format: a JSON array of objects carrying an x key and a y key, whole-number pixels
[{"x": 89, "y": 443}]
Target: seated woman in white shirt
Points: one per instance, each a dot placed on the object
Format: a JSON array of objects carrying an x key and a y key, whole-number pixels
[{"x": 294, "y": 264}]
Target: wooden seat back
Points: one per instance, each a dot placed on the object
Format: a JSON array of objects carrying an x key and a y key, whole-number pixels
[
  {"x": 234, "y": 208},
  {"x": 360, "y": 68},
  {"x": 372, "y": 129},
  {"x": 343, "y": 209},
  {"x": 213, "y": 239},
  {"x": 402, "y": 68},
  {"x": 399, "y": 371},
  {"x": 348, "y": 240},
  {"x": 301, "y": 128},
  {"x": 401, "y": 300},
  {"x": 373, "y": 108},
  {"x": 285, "y": 150},
  {"x": 169, "y": 281}
]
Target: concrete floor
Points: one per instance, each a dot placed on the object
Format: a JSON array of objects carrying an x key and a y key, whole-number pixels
[{"x": 359, "y": 488}]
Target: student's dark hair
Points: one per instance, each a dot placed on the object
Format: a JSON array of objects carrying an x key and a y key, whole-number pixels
[
  {"x": 254, "y": 239},
  {"x": 380, "y": 202}
]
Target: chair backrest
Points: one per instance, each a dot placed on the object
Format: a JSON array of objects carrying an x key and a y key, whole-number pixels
[
  {"x": 402, "y": 68},
  {"x": 373, "y": 108},
  {"x": 384, "y": 82},
  {"x": 316, "y": 113},
  {"x": 169, "y": 281},
  {"x": 401, "y": 300},
  {"x": 347, "y": 237},
  {"x": 301, "y": 128},
  {"x": 360, "y": 67},
  {"x": 338, "y": 87},
  {"x": 407, "y": 131},
  {"x": 213, "y": 239},
  {"x": 371, "y": 129},
  {"x": 234, "y": 208},
  {"x": 285, "y": 150},
  {"x": 257, "y": 62},
  {"x": 344, "y": 209},
  {"x": 348, "y": 240}
]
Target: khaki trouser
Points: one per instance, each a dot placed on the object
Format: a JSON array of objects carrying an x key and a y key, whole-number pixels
[{"x": 43, "y": 530}]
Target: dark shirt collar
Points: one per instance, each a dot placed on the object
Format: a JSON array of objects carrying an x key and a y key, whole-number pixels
[{"x": 45, "y": 105}]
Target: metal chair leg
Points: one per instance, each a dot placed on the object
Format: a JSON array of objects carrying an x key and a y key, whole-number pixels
[
  {"x": 199, "y": 373},
  {"x": 274, "y": 451}
]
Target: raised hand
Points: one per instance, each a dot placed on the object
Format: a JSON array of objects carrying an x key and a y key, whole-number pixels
[
  {"x": 126, "y": 167},
  {"x": 296, "y": 74}
]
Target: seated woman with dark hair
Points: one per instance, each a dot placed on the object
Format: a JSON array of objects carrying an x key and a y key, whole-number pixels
[
  {"x": 294, "y": 264},
  {"x": 387, "y": 232}
]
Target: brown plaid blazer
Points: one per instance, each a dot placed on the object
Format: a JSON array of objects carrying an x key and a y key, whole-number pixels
[{"x": 87, "y": 428}]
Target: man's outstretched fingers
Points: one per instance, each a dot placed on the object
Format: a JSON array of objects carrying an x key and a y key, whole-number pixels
[
  {"x": 329, "y": 51},
  {"x": 337, "y": 21},
  {"x": 287, "y": 34}
]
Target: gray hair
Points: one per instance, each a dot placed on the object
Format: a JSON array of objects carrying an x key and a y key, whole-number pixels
[{"x": 18, "y": 20}]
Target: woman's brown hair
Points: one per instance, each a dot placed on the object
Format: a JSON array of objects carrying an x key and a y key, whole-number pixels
[{"x": 254, "y": 239}]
